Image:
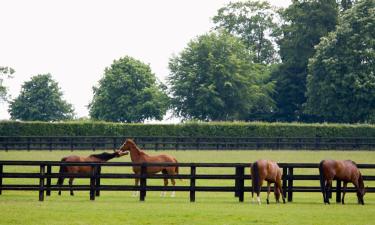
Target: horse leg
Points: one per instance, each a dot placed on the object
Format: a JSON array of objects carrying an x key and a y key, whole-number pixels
[
  {"x": 71, "y": 185},
  {"x": 164, "y": 193},
  {"x": 343, "y": 192},
  {"x": 268, "y": 191},
  {"x": 60, "y": 182},
  {"x": 258, "y": 191},
  {"x": 173, "y": 192},
  {"x": 328, "y": 190},
  {"x": 136, "y": 182},
  {"x": 280, "y": 188}
]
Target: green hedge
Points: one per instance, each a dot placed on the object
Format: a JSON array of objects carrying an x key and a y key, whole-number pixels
[{"x": 194, "y": 129}]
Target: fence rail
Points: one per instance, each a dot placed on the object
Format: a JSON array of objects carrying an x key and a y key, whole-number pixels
[
  {"x": 184, "y": 143},
  {"x": 239, "y": 175}
]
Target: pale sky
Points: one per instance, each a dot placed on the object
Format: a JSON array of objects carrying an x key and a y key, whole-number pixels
[{"x": 75, "y": 40}]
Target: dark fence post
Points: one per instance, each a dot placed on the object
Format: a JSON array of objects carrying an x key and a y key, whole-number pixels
[
  {"x": 97, "y": 182},
  {"x": 192, "y": 183},
  {"x": 41, "y": 183},
  {"x": 290, "y": 184},
  {"x": 92, "y": 182},
  {"x": 143, "y": 182},
  {"x": 241, "y": 182},
  {"x": 338, "y": 191},
  {"x": 285, "y": 180},
  {"x": 236, "y": 183},
  {"x": 1, "y": 178},
  {"x": 48, "y": 186}
]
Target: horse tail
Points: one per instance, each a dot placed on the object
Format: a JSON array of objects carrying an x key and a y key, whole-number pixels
[
  {"x": 255, "y": 178},
  {"x": 321, "y": 179}
]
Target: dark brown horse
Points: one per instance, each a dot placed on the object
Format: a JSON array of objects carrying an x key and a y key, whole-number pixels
[
  {"x": 344, "y": 170},
  {"x": 103, "y": 157},
  {"x": 266, "y": 170},
  {"x": 139, "y": 156}
]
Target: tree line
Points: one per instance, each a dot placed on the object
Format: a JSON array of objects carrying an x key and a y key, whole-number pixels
[{"x": 313, "y": 61}]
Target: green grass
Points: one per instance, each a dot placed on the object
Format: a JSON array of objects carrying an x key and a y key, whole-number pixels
[{"x": 209, "y": 208}]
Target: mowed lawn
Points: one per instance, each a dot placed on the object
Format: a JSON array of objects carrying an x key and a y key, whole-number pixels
[{"x": 209, "y": 208}]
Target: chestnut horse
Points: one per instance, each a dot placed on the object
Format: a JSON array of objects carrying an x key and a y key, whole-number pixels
[
  {"x": 266, "y": 170},
  {"x": 103, "y": 157},
  {"x": 344, "y": 170},
  {"x": 139, "y": 156}
]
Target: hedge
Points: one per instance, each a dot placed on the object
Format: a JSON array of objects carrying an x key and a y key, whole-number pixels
[{"x": 192, "y": 129}]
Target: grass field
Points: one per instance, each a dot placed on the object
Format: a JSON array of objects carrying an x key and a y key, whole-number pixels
[{"x": 209, "y": 208}]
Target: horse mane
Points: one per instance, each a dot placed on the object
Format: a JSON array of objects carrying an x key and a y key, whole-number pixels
[{"x": 104, "y": 156}]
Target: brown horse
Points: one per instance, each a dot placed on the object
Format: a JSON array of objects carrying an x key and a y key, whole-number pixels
[
  {"x": 139, "y": 156},
  {"x": 345, "y": 170},
  {"x": 103, "y": 157},
  {"x": 266, "y": 170}
]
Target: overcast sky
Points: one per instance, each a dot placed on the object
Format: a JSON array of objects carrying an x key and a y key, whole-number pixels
[{"x": 75, "y": 40}]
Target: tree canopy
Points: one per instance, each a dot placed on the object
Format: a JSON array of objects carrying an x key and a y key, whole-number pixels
[
  {"x": 341, "y": 81},
  {"x": 305, "y": 23},
  {"x": 40, "y": 100},
  {"x": 254, "y": 22},
  {"x": 5, "y": 73},
  {"x": 128, "y": 92},
  {"x": 213, "y": 79}
]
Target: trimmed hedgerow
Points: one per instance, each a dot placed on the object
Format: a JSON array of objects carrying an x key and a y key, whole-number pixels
[{"x": 194, "y": 129}]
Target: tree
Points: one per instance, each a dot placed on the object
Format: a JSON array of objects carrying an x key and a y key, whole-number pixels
[
  {"x": 40, "y": 99},
  {"x": 341, "y": 80},
  {"x": 128, "y": 92},
  {"x": 5, "y": 72},
  {"x": 305, "y": 22},
  {"x": 213, "y": 79},
  {"x": 254, "y": 23}
]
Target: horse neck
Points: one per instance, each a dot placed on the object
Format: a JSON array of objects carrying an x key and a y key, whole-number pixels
[{"x": 136, "y": 154}]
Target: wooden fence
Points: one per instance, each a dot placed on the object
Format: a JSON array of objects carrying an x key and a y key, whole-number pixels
[
  {"x": 239, "y": 175},
  {"x": 184, "y": 143}
]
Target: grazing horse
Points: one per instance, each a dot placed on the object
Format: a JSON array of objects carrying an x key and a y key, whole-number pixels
[
  {"x": 266, "y": 170},
  {"x": 139, "y": 156},
  {"x": 345, "y": 170},
  {"x": 103, "y": 157}
]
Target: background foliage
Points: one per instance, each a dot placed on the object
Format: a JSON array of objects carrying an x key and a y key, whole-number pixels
[{"x": 194, "y": 129}]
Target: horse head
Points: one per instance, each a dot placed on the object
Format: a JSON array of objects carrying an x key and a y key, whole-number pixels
[
  {"x": 119, "y": 153},
  {"x": 126, "y": 147}
]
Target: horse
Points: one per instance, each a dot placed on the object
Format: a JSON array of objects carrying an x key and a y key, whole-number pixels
[
  {"x": 103, "y": 157},
  {"x": 345, "y": 170},
  {"x": 266, "y": 170},
  {"x": 139, "y": 156}
]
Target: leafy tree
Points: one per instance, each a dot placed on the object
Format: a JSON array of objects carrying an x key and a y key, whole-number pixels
[
  {"x": 128, "y": 92},
  {"x": 213, "y": 79},
  {"x": 341, "y": 81},
  {"x": 40, "y": 99},
  {"x": 5, "y": 72},
  {"x": 305, "y": 23},
  {"x": 254, "y": 22}
]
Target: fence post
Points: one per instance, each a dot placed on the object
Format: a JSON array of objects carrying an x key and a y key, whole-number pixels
[
  {"x": 285, "y": 180},
  {"x": 192, "y": 183},
  {"x": 143, "y": 182},
  {"x": 1, "y": 178},
  {"x": 41, "y": 182},
  {"x": 236, "y": 183},
  {"x": 97, "y": 181},
  {"x": 290, "y": 184},
  {"x": 338, "y": 191},
  {"x": 240, "y": 172},
  {"x": 92, "y": 182},
  {"x": 48, "y": 186}
]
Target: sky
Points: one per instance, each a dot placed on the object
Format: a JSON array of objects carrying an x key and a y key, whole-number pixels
[{"x": 75, "y": 40}]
